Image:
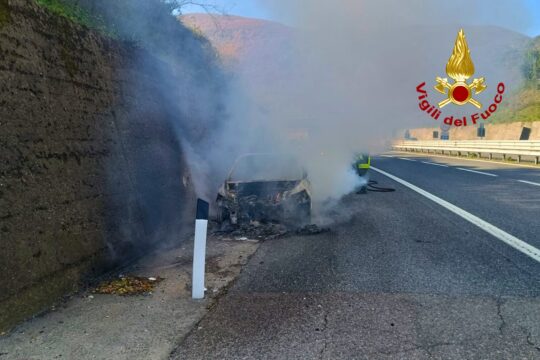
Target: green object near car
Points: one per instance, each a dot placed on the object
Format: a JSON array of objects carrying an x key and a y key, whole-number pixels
[{"x": 362, "y": 163}]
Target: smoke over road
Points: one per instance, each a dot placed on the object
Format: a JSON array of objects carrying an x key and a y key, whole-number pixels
[
  {"x": 348, "y": 82},
  {"x": 343, "y": 82}
]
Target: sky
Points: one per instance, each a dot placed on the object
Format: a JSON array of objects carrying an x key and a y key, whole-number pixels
[
  {"x": 247, "y": 8},
  {"x": 253, "y": 9},
  {"x": 535, "y": 9}
]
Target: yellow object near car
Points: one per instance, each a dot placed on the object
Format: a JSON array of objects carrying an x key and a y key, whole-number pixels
[
  {"x": 365, "y": 164},
  {"x": 362, "y": 163}
]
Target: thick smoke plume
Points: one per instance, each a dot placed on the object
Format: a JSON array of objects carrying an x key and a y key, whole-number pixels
[
  {"x": 343, "y": 83},
  {"x": 348, "y": 83},
  {"x": 168, "y": 113}
]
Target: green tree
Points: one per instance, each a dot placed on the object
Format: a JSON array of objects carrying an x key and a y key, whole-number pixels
[{"x": 531, "y": 63}]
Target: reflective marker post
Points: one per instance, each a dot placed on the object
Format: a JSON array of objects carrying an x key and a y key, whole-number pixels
[{"x": 199, "y": 249}]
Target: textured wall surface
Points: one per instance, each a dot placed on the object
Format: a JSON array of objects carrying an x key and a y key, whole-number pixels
[
  {"x": 506, "y": 131},
  {"x": 91, "y": 171}
]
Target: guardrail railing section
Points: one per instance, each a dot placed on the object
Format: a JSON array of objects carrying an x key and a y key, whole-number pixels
[{"x": 507, "y": 149}]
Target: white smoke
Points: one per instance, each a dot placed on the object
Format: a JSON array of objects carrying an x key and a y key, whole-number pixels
[{"x": 349, "y": 80}]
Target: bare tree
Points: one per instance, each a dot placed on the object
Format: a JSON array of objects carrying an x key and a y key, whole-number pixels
[{"x": 207, "y": 7}]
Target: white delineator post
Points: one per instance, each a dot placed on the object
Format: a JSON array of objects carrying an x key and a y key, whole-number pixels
[{"x": 199, "y": 249}]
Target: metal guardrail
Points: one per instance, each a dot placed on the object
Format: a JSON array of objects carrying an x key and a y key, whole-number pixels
[{"x": 510, "y": 148}]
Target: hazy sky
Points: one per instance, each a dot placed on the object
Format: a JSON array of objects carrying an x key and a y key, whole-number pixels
[
  {"x": 252, "y": 8},
  {"x": 535, "y": 9}
]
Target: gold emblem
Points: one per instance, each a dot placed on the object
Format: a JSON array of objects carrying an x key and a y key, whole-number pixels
[{"x": 460, "y": 68}]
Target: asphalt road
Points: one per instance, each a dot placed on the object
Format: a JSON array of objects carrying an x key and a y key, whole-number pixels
[{"x": 401, "y": 277}]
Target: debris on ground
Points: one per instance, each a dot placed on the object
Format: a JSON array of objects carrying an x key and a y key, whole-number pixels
[
  {"x": 266, "y": 231},
  {"x": 312, "y": 229},
  {"x": 257, "y": 230},
  {"x": 128, "y": 285},
  {"x": 253, "y": 230}
]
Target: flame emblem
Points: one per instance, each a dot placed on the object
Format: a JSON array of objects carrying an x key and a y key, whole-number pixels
[{"x": 460, "y": 67}]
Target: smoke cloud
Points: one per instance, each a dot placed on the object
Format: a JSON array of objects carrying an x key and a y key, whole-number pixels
[
  {"x": 168, "y": 112},
  {"x": 346, "y": 81},
  {"x": 343, "y": 82}
]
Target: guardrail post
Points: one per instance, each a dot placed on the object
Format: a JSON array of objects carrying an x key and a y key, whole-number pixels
[
  {"x": 519, "y": 159},
  {"x": 536, "y": 160},
  {"x": 490, "y": 156}
]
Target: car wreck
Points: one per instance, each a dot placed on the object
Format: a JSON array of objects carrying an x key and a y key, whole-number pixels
[{"x": 265, "y": 188}]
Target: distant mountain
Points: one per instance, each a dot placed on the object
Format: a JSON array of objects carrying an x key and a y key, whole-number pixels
[
  {"x": 265, "y": 52},
  {"x": 239, "y": 39},
  {"x": 256, "y": 52}
]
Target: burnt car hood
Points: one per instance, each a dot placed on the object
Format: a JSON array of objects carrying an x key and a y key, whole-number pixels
[
  {"x": 264, "y": 201},
  {"x": 264, "y": 189},
  {"x": 261, "y": 188}
]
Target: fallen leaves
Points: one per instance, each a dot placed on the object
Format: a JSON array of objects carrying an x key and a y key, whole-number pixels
[{"x": 128, "y": 285}]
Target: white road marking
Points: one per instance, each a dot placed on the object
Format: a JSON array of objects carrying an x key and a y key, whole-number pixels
[
  {"x": 477, "y": 160},
  {"x": 505, "y": 237},
  {"x": 386, "y": 156},
  {"x": 478, "y": 172},
  {"x": 407, "y": 159},
  {"x": 529, "y": 182},
  {"x": 430, "y": 163}
]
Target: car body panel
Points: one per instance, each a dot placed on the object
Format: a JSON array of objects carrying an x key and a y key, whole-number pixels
[{"x": 264, "y": 200}]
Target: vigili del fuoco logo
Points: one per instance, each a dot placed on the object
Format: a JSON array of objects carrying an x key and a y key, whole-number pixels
[{"x": 460, "y": 90}]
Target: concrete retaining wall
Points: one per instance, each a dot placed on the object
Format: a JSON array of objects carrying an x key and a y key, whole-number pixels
[
  {"x": 509, "y": 131},
  {"x": 91, "y": 170}
]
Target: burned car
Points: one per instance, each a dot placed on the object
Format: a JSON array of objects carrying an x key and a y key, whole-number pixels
[{"x": 265, "y": 188}]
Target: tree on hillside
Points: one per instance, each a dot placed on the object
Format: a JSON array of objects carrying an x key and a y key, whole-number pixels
[
  {"x": 531, "y": 64},
  {"x": 207, "y": 7}
]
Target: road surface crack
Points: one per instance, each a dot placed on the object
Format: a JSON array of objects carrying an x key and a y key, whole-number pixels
[
  {"x": 323, "y": 332},
  {"x": 500, "y": 303}
]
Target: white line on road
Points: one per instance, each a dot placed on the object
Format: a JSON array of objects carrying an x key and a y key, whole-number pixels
[
  {"x": 430, "y": 163},
  {"x": 407, "y": 159},
  {"x": 386, "y": 156},
  {"x": 477, "y": 160},
  {"x": 478, "y": 172},
  {"x": 529, "y": 182},
  {"x": 505, "y": 237}
]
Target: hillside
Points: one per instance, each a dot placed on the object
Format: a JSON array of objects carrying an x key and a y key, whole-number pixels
[
  {"x": 259, "y": 43},
  {"x": 257, "y": 53},
  {"x": 240, "y": 40},
  {"x": 524, "y": 104},
  {"x": 265, "y": 53}
]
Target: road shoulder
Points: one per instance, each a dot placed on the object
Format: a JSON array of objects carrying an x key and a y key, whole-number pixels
[{"x": 93, "y": 326}]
